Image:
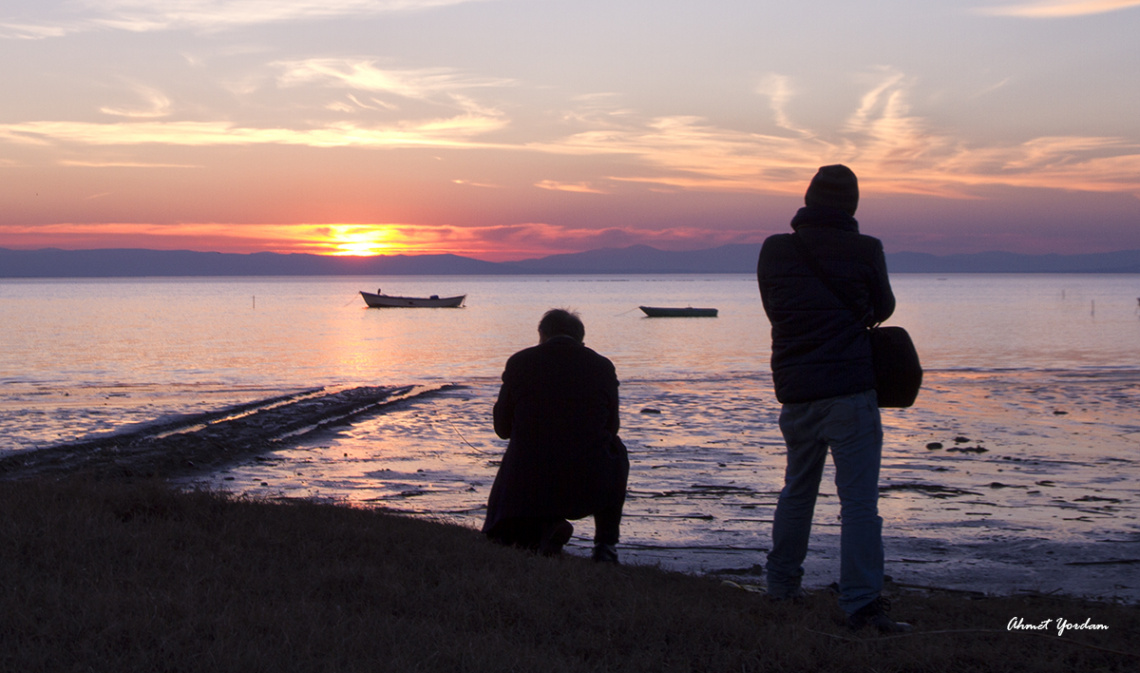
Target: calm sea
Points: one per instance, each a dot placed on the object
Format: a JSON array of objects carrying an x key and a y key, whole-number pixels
[{"x": 155, "y": 346}]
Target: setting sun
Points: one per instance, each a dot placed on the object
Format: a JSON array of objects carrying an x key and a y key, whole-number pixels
[{"x": 360, "y": 241}]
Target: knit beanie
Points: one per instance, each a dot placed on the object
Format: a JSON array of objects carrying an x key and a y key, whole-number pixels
[{"x": 834, "y": 186}]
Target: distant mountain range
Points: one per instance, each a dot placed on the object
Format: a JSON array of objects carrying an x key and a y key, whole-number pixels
[{"x": 638, "y": 259}]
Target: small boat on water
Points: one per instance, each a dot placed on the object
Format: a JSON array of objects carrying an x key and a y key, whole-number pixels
[
  {"x": 687, "y": 312},
  {"x": 380, "y": 300}
]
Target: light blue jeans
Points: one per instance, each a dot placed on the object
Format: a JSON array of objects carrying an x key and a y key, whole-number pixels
[{"x": 851, "y": 426}]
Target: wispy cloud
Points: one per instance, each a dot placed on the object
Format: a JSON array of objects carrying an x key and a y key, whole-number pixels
[
  {"x": 445, "y": 114},
  {"x": 430, "y": 100},
  {"x": 902, "y": 153},
  {"x": 455, "y": 131},
  {"x": 778, "y": 90},
  {"x": 578, "y": 187},
  {"x": 28, "y": 31},
  {"x": 472, "y": 183},
  {"x": 173, "y": 236},
  {"x": 153, "y": 104},
  {"x": 365, "y": 75},
  {"x": 893, "y": 150},
  {"x": 121, "y": 164},
  {"x": 373, "y": 88},
  {"x": 690, "y": 153},
  {"x": 1058, "y": 9},
  {"x": 157, "y": 15}
]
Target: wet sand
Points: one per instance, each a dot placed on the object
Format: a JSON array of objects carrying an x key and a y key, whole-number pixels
[
  {"x": 998, "y": 482},
  {"x": 208, "y": 441}
]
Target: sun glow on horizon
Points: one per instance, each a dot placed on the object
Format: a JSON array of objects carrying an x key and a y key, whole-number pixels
[{"x": 351, "y": 240}]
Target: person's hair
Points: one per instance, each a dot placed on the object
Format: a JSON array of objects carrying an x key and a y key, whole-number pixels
[{"x": 560, "y": 322}]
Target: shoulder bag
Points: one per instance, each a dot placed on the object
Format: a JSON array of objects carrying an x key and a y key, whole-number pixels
[{"x": 898, "y": 372}]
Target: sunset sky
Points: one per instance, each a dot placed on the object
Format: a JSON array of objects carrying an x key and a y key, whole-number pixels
[{"x": 508, "y": 129}]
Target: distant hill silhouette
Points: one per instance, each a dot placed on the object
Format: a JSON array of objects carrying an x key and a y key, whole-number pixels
[
  {"x": 645, "y": 259},
  {"x": 638, "y": 259},
  {"x": 1125, "y": 261}
]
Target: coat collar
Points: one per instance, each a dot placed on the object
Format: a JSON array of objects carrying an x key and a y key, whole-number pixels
[
  {"x": 562, "y": 339},
  {"x": 823, "y": 217}
]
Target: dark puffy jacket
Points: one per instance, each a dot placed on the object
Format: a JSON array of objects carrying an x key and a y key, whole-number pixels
[
  {"x": 559, "y": 407},
  {"x": 819, "y": 347}
]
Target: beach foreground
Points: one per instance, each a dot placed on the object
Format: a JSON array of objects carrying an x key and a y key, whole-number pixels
[
  {"x": 996, "y": 483},
  {"x": 121, "y": 575}
]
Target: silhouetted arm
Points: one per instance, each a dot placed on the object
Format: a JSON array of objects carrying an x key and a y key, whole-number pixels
[
  {"x": 613, "y": 422},
  {"x": 882, "y": 298},
  {"x": 504, "y": 410}
]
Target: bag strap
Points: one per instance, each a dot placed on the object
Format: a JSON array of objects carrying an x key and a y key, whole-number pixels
[{"x": 865, "y": 318}]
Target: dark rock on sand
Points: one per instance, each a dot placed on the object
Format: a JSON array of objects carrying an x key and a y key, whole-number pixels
[
  {"x": 967, "y": 449},
  {"x": 933, "y": 490}
]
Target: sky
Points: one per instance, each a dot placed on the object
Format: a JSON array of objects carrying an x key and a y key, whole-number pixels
[{"x": 512, "y": 129}]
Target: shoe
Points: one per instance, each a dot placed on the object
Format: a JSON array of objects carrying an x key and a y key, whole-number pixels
[
  {"x": 554, "y": 537},
  {"x": 875, "y": 614},
  {"x": 605, "y": 553}
]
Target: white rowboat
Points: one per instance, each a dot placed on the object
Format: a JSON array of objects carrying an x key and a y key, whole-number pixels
[{"x": 390, "y": 301}]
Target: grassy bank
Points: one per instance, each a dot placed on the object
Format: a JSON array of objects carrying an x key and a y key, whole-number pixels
[{"x": 119, "y": 576}]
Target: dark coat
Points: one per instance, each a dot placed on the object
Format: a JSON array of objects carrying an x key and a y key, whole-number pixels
[
  {"x": 819, "y": 348},
  {"x": 558, "y": 406}
]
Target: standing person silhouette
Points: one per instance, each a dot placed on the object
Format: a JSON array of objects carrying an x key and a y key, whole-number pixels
[
  {"x": 558, "y": 406},
  {"x": 822, "y": 372}
]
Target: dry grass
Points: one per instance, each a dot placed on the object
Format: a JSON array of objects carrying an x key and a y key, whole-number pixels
[{"x": 117, "y": 576}]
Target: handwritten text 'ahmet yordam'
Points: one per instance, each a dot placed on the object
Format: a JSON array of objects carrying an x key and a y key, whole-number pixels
[{"x": 1060, "y": 624}]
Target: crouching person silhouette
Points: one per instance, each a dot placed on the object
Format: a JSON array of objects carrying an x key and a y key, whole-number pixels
[{"x": 558, "y": 406}]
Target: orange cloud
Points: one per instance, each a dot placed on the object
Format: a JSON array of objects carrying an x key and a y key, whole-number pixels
[
  {"x": 890, "y": 148},
  {"x": 577, "y": 187},
  {"x": 447, "y": 132},
  {"x": 162, "y": 15},
  {"x": 1057, "y": 9}
]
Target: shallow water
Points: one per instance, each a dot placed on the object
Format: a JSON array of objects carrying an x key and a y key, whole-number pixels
[{"x": 1041, "y": 372}]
